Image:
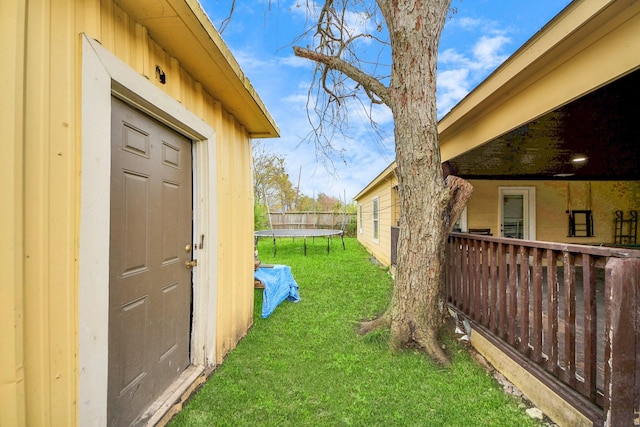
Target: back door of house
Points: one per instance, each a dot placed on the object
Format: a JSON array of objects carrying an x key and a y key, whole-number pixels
[
  {"x": 150, "y": 241},
  {"x": 517, "y": 212}
]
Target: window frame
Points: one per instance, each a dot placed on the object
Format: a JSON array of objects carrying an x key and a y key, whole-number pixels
[{"x": 375, "y": 218}]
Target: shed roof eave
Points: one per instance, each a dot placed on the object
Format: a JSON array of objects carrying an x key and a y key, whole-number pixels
[{"x": 185, "y": 31}]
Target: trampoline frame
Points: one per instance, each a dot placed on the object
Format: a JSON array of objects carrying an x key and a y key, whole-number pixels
[{"x": 302, "y": 232}]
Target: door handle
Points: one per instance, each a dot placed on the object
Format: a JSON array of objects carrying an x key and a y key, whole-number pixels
[{"x": 191, "y": 264}]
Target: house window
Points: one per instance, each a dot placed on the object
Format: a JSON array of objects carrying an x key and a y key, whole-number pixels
[
  {"x": 361, "y": 219},
  {"x": 376, "y": 220}
]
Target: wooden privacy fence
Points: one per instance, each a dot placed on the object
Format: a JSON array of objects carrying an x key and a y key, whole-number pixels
[
  {"x": 567, "y": 313},
  {"x": 308, "y": 220}
]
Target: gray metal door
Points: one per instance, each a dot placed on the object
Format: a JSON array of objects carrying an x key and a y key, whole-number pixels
[{"x": 150, "y": 241}]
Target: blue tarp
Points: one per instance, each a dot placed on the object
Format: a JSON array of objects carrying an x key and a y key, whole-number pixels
[{"x": 279, "y": 285}]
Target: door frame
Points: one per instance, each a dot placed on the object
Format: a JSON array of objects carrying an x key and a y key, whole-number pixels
[
  {"x": 528, "y": 194},
  {"x": 103, "y": 76}
]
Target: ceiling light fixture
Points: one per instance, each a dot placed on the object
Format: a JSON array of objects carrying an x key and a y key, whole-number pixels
[{"x": 579, "y": 158}]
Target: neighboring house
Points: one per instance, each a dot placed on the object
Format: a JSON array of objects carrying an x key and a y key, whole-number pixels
[
  {"x": 571, "y": 91},
  {"x": 127, "y": 128}
]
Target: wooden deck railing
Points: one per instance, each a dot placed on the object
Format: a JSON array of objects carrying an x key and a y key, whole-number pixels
[{"x": 562, "y": 310}]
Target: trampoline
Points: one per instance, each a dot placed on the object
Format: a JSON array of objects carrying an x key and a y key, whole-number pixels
[{"x": 304, "y": 233}]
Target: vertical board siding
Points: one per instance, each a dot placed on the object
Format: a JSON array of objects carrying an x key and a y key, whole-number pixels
[
  {"x": 12, "y": 384},
  {"x": 50, "y": 215},
  {"x": 235, "y": 305},
  {"x": 45, "y": 376}
]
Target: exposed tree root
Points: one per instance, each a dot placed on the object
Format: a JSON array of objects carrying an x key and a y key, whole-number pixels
[
  {"x": 404, "y": 335},
  {"x": 432, "y": 347},
  {"x": 382, "y": 322}
]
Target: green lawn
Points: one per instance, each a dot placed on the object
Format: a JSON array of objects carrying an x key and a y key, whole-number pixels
[{"x": 306, "y": 366}]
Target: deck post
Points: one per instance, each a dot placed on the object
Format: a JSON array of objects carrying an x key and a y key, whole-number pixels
[{"x": 622, "y": 355}]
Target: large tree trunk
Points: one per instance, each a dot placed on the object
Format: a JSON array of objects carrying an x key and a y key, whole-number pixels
[
  {"x": 414, "y": 314},
  {"x": 429, "y": 205}
]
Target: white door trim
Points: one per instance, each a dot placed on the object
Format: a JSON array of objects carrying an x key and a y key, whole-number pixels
[
  {"x": 529, "y": 199},
  {"x": 464, "y": 223},
  {"x": 104, "y": 76}
]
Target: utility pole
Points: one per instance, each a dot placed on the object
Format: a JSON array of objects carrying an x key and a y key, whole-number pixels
[{"x": 298, "y": 188}]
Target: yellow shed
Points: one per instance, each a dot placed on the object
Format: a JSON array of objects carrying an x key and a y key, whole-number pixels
[{"x": 127, "y": 220}]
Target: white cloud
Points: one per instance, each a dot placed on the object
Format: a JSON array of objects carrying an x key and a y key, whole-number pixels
[
  {"x": 468, "y": 23},
  {"x": 296, "y": 62},
  {"x": 356, "y": 22},
  {"x": 305, "y": 9},
  {"x": 298, "y": 99},
  {"x": 460, "y": 69},
  {"x": 453, "y": 85},
  {"x": 249, "y": 61},
  {"x": 382, "y": 115},
  {"x": 451, "y": 56},
  {"x": 488, "y": 51}
]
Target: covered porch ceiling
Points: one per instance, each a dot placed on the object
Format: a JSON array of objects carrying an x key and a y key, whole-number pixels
[{"x": 602, "y": 126}]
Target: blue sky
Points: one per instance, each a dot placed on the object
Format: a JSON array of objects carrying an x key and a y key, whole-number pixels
[{"x": 476, "y": 39}]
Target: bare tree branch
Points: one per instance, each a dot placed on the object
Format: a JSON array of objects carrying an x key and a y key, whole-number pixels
[
  {"x": 371, "y": 85},
  {"x": 225, "y": 22}
]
